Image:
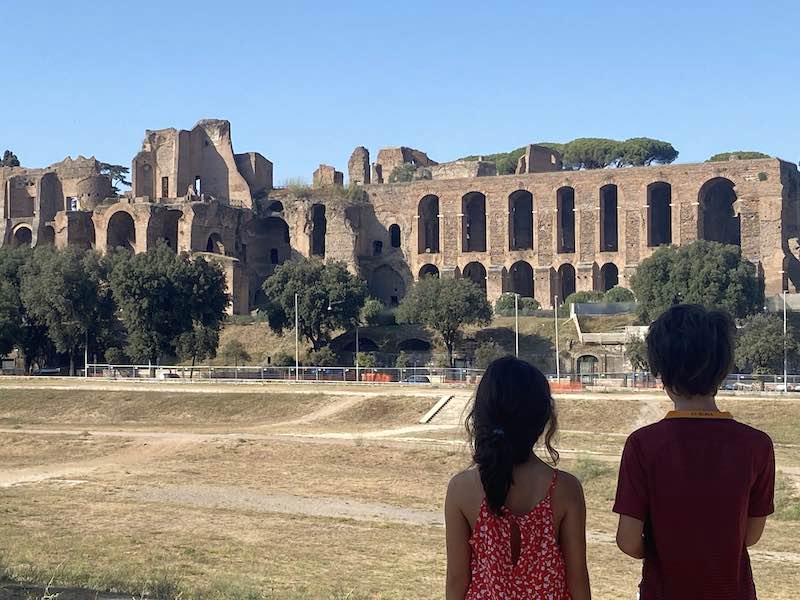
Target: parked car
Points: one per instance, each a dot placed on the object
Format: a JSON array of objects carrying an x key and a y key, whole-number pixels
[{"x": 47, "y": 372}]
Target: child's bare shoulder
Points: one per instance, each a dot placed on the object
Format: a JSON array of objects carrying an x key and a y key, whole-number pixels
[
  {"x": 569, "y": 487},
  {"x": 464, "y": 481}
]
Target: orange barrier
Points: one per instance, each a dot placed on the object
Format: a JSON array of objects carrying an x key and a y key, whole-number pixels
[
  {"x": 376, "y": 377},
  {"x": 568, "y": 386}
]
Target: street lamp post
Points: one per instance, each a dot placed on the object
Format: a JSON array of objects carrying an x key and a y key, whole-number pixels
[
  {"x": 516, "y": 325},
  {"x": 296, "y": 342},
  {"x": 785, "y": 381},
  {"x": 555, "y": 318}
]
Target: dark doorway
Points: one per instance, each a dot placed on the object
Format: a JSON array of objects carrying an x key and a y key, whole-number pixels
[
  {"x": 609, "y": 276},
  {"x": 473, "y": 228},
  {"x": 520, "y": 279},
  {"x": 319, "y": 228},
  {"x": 718, "y": 220},
  {"x": 520, "y": 220},
  {"x": 476, "y": 273},
  {"x": 566, "y": 278},
  {"x": 428, "y": 212},
  {"x": 609, "y": 239},
  {"x": 565, "y": 215},
  {"x": 659, "y": 214},
  {"x": 428, "y": 271},
  {"x": 394, "y": 235}
]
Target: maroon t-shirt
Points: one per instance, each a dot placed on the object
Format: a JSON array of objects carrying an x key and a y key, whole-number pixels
[{"x": 694, "y": 480}]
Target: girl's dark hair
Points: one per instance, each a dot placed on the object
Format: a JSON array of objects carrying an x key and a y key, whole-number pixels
[
  {"x": 511, "y": 410},
  {"x": 691, "y": 349}
]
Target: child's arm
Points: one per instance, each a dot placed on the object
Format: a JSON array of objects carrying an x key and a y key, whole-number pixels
[
  {"x": 457, "y": 534},
  {"x": 629, "y": 536},
  {"x": 572, "y": 537},
  {"x": 761, "y": 502},
  {"x": 755, "y": 527}
]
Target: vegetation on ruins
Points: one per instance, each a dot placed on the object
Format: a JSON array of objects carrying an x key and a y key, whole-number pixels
[
  {"x": 636, "y": 353},
  {"x": 408, "y": 172},
  {"x": 593, "y": 153},
  {"x": 235, "y": 353},
  {"x": 329, "y": 298},
  {"x": 619, "y": 294},
  {"x": 504, "y": 305},
  {"x": 445, "y": 306},
  {"x": 708, "y": 273},
  {"x": 737, "y": 155},
  {"x": 759, "y": 344},
  {"x": 324, "y": 357},
  {"x": 117, "y": 174},
  {"x": 162, "y": 296},
  {"x": 9, "y": 159},
  {"x": 372, "y": 313},
  {"x": 615, "y": 294}
]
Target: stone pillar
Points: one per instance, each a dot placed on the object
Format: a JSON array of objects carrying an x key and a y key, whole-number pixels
[
  {"x": 448, "y": 272},
  {"x": 542, "y": 286},
  {"x": 358, "y": 169},
  {"x": 494, "y": 283},
  {"x": 584, "y": 277},
  {"x": 376, "y": 175}
]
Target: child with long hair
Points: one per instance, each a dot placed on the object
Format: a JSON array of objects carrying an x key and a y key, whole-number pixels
[{"x": 516, "y": 527}]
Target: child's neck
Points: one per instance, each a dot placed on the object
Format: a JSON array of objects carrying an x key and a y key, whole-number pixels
[{"x": 703, "y": 403}]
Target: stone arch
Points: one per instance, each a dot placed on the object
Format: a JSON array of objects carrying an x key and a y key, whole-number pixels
[
  {"x": 659, "y": 214},
  {"x": 121, "y": 232},
  {"x": 214, "y": 244},
  {"x": 387, "y": 285},
  {"x": 520, "y": 220},
  {"x": 319, "y": 229},
  {"x": 719, "y": 219},
  {"x": 21, "y": 235},
  {"x": 414, "y": 345},
  {"x": 365, "y": 344},
  {"x": 609, "y": 276},
  {"x": 47, "y": 236},
  {"x": 428, "y": 270},
  {"x": 473, "y": 222},
  {"x": 428, "y": 225},
  {"x": 275, "y": 206},
  {"x": 565, "y": 220},
  {"x": 476, "y": 273},
  {"x": 394, "y": 235},
  {"x": 566, "y": 281},
  {"x": 609, "y": 236},
  {"x": 520, "y": 279},
  {"x": 587, "y": 364},
  {"x": 169, "y": 228}
]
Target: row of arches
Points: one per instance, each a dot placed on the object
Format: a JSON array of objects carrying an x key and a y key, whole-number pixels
[
  {"x": 718, "y": 218},
  {"x": 519, "y": 278}
]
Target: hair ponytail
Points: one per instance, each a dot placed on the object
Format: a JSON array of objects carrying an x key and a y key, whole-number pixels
[{"x": 511, "y": 410}]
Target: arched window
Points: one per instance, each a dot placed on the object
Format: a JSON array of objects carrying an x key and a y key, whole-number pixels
[
  {"x": 377, "y": 248},
  {"x": 520, "y": 220},
  {"x": 214, "y": 244},
  {"x": 394, "y": 235},
  {"x": 565, "y": 217},
  {"x": 609, "y": 276},
  {"x": 659, "y": 214},
  {"x": 566, "y": 280},
  {"x": 387, "y": 285},
  {"x": 608, "y": 218},
  {"x": 719, "y": 220},
  {"x": 23, "y": 236},
  {"x": 428, "y": 271},
  {"x": 428, "y": 225},
  {"x": 121, "y": 232},
  {"x": 319, "y": 228},
  {"x": 473, "y": 223},
  {"x": 520, "y": 279},
  {"x": 476, "y": 273}
]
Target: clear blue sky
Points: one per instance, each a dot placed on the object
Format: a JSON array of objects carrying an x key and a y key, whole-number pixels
[{"x": 305, "y": 82}]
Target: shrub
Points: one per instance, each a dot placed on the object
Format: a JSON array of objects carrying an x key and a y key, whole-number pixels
[
  {"x": 504, "y": 305},
  {"x": 585, "y": 297},
  {"x": 618, "y": 294},
  {"x": 324, "y": 357},
  {"x": 371, "y": 312},
  {"x": 636, "y": 353},
  {"x": 402, "y": 361},
  {"x": 367, "y": 359},
  {"x": 409, "y": 172},
  {"x": 486, "y": 352},
  {"x": 282, "y": 359}
]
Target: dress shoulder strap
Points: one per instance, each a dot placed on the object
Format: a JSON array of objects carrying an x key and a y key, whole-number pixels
[{"x": 553, "y": 483}]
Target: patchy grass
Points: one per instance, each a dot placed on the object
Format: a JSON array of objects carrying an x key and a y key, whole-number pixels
[
  {"x": 779, "y": 418},
  {"x": 388, "y": 410},
  {"x": 787, "y": 499}
]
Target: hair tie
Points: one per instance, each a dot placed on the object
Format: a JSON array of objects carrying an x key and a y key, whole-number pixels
[{"x": 499, "y": 432}]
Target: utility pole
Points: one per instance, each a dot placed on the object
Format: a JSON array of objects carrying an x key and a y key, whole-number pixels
[
  {"x": 358, "y": 378},
  {"x": 555, "y": 317},
  {"x": 296, "y": 342},
  {"x": 86, "y": 355},
  {"x": 785, "y": 381}
]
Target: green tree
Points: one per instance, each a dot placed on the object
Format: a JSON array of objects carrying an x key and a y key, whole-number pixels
[
  {"x": 738, "y": 154},
  {"x": 486, "y": 352},
  {"x": 162, "y": 296},
  {"x": 282, "y": 359},
  {"x": 329, "y": 298},
  {"x": 366, "y": 360},
  {"x": 198, "y": 344},
  {"x": 639, "y": 152},
  {"x": 403, "y": 360},
  {"x": 636, "y": 353},
  {"x": 234, "y": 352},
  {"x": 592, "y": 153},
  {"x": 444, "y": 306},
  {"x": 9, "y": 159},
  {"x": 324, "y": 357},
  {"x": 619, "y": 294},
  {"x": 759, "y": 344},
  {"x": 504, "y": 305},
  {"x": 66, "y": 291},
  {"x": 371, "y": 312},
  {"x": 708, "y": 273},
  {"x": 116, "y": 173}
]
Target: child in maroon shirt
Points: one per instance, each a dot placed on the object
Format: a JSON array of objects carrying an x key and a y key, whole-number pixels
[{"x": 694, "y": 489}]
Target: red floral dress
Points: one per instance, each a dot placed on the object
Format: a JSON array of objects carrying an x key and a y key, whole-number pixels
[{"x": 539, "y": 573}]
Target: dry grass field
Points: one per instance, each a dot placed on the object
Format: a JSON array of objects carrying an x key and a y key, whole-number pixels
[{"x": 245, "y": 492}]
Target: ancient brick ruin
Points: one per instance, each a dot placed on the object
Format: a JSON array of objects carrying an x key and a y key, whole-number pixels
[{"x": 542, "y": 232}]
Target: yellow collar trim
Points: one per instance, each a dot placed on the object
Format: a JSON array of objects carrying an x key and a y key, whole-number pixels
[{"x": 698, "y": 414}]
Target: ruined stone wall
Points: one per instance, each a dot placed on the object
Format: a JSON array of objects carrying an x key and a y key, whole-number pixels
[{"x": 460, "y": 169}]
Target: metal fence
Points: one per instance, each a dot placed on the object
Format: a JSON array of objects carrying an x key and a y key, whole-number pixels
[{"x": 590, "y": 381}]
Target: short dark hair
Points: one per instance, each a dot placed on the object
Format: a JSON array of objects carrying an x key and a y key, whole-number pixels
[{"x": 691, "y": 349}]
